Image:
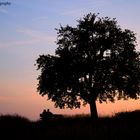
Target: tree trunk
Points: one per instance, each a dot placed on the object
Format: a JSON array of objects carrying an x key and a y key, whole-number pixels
[{"x": 93, "y": 110}]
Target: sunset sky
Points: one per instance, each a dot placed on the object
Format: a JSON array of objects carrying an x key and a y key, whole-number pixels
[{"x": 27, "y": 30}]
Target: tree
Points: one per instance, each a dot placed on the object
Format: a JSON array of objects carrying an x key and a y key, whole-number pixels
[{"x": 96, "y": 60}]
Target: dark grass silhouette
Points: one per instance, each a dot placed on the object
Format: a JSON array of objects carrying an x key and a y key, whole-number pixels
[{"x": 125, "y": 125}]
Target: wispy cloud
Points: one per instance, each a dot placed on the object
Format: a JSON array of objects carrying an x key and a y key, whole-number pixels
[
  {"x": 33, "y": 37},
  {"x": 31, "y": 33},
  {"x": 40, "y": 18},
  {"x": 38, "y": 35},
  {"x": 93, "y": 6},
  {"x": 76, "y": 12},
  {"x": 4, "y": 11}
]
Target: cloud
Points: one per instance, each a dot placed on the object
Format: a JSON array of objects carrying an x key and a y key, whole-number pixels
[
  {"x": 4, "y": 11},
  {"x": 30, "y": 37},
  {"x": 40, "y": 18},
  {"x": 18, "y": 43},
  {"x": 77, "y": 12},
  {"x": 93, "y": 6},
  {"x": 38, "y": 35}
]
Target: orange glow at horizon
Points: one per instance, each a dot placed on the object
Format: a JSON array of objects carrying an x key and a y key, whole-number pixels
[
  {"x": 24, "y": 100},
  {"x": 32, "y": 104}
]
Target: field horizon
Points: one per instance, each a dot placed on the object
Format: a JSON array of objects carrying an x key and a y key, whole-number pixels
[{"x": 124, "y": 125}]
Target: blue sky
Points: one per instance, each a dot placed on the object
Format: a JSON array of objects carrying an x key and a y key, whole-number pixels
[{"x": 27, "y": 29}]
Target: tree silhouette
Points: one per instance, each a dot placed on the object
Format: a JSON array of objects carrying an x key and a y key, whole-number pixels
[{"x": 96, "y": 60}]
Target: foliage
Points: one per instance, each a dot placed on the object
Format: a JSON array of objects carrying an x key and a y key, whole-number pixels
[{"x": 94, "y": 60}]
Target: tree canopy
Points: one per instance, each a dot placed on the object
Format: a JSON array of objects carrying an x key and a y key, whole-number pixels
[{"x": 96, "y": 60}]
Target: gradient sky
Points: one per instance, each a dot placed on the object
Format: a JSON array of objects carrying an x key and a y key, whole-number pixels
[{"x": 27, "y": 29}]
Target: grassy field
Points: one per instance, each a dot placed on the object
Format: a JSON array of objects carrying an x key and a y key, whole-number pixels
[{"x": 122, "y": 126}]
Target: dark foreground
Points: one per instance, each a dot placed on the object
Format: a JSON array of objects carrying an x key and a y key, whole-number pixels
[{"x": 123, "y": 126}]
